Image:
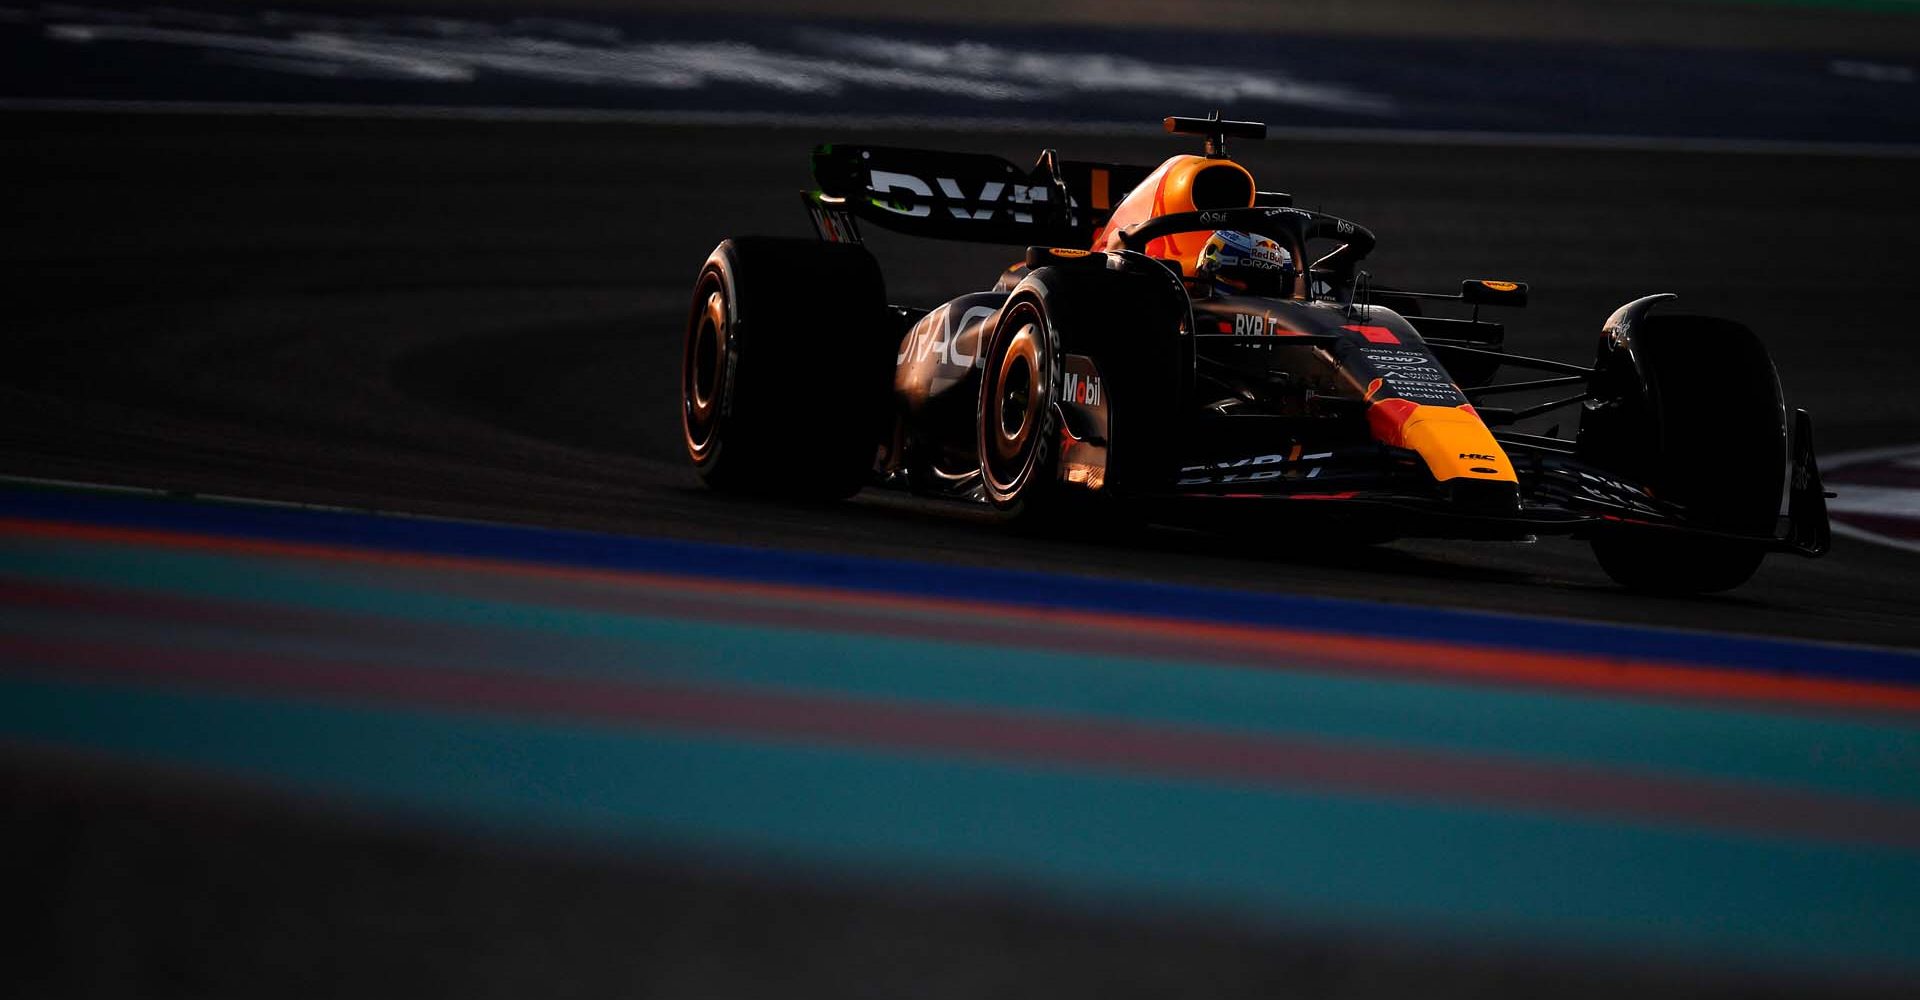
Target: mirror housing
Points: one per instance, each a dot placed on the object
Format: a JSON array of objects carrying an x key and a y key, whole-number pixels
[{"x": 1492, "y": 292}]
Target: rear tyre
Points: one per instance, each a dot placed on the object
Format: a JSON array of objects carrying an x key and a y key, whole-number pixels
[
  {"x": 785, "y": 368},
  {"x": 1707, "y": 431},
  {"x": 1129, "y": 324},
  {"x": 1018, "y": 426}
]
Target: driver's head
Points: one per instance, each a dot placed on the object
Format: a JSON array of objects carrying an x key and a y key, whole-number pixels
[{"x": 1245, "y": 263}]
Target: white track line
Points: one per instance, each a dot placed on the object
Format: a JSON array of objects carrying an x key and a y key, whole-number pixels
[
  {"x": 1843, "y": 528},
  {"x": 758, "y": 119},
  {"x": 1860, "y": 457},
  {"x": 1829, "y": 463}
]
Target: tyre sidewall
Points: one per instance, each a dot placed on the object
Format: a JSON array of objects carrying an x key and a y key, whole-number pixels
[{"x": 1029, "y": 485}]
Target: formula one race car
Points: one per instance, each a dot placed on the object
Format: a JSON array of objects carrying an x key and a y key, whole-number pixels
[{"x": 1170, "y": 348}]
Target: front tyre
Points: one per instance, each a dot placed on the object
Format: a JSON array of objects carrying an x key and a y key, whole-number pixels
[{"x": 1704, "y": 429}]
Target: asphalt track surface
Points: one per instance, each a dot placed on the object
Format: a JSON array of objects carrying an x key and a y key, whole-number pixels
[{"x": 481, "y": 320}]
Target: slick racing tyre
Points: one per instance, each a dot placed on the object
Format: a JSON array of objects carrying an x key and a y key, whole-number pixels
[
  {"x": 1705, "y": 429},
  {"x": 1130, "y": 325},
  {"x": 1018, "y": 423},
  {"x": 785, "y": 368}
]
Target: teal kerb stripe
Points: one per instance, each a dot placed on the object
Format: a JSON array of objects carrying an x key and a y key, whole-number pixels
[
  {"x": 1096, "y": 838},
  {"x": 1815, "y": 752}
]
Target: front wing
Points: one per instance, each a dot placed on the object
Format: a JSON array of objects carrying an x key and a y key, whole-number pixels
[{"x": 1388, "y": 491}]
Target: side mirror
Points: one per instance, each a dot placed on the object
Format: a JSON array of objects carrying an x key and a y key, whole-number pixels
[
  {"x": 1064, "y": 257},
  {"x": 1488, "y": 292}
]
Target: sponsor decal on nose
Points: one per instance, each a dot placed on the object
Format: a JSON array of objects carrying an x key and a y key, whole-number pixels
[{"x": 1374, "y": 334}]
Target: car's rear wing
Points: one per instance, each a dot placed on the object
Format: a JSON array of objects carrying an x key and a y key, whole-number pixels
[{"x": 965, "y": 196}]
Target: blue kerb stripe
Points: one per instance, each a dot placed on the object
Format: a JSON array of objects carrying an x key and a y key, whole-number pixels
[{"x": 1032, "y": 589}]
